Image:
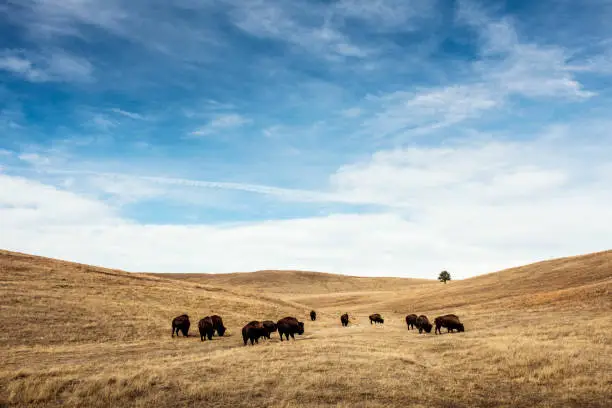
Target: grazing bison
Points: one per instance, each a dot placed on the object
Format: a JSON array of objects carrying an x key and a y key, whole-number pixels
[
  {"x": 313, "y": 315},
  {"x": 207, "y": 328},
  {"x": 422, "y": 323},
  {"x": 411, "y": 321},
  {"x": 253, "y": 331},
  {"x": 344, "y": 319},
  {"x": 218, "y": 325},
  {"x": 450, "y": 321},
  {"x": 181, "y": 323},
  {"x": 289, "y": 326},
  {"x": 269, "y": 326},
  {"x": 376, "y": 318}
]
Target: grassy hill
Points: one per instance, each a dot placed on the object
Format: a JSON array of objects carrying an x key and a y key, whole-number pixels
[
  {"x": 76, "y": 335},
  {"x": 296, "y": 282}
]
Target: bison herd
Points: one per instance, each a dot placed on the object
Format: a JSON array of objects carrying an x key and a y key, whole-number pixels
[
  {"x": 290, "y": 326},
  {"x": 450, "y": 321}
]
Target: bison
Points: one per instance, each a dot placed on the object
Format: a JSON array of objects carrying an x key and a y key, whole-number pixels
[
  {"x": 422, "y": 323},
  {"x": 218, "y": 325},
  {"x": 207, "y": 328},
  {"x": 313, "y": 315},
  {"x": 269, "y": 326},
  {"x": 450, "y": 321},
  {"x": 411, "y": 321},
  {"x": 253, "y": 331},
  {"x": 376, "y": 318},
  {"x": 344, "y": 319},
  {"x": 181, "y": 323},
  {"x": 288, "y": 326}
]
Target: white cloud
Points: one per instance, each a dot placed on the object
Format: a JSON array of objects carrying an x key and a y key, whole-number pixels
[
  {"x": 470, "y": 207},
  {"x": 429, "y": 109},
  {"x": 519, "y": 67},
  {"x": 116, "y": 183},
  {"x": 34, "y": 159},
  {"x": 102, "y": 122},
  {"x": 508, "y": 67},
  {"x": 56, "y": 66},
  {"x": 222, "y": 122},
  {"x": 351, "y": 112},
  {"x": 304, "y": 25},
  {"x": 131, "y": 115},
  {"x": 394, "y": 15},
  {"x": 30, "y": 206}
]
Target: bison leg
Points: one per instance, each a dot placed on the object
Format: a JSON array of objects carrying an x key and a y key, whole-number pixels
[
  {"x": 292, "y": 336},
  {"x": 172, "y": 331}
]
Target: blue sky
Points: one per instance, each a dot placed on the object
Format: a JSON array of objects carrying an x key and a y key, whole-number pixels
[{"x": 360, "y": 137}]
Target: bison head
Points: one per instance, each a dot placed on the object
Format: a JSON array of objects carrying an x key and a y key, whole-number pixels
[
  {"x": 427, "y": 327},
  {"x": 221, "y": 330},
  {"x": 300, "y": 328},
  {"x": 460, "y": 327}
]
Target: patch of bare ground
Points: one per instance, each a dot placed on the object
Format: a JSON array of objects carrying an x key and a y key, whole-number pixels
[{"x": 74, "y": 335}]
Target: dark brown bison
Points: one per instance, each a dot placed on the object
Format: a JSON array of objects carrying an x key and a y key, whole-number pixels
[
  {"x": 218, "y": 325},
  {"x": 289, "y": 326},
  {"x": 450, "y": 321},
  {"x": 269, "y": 326},
  {"x": 207, "y": 328},
  {"x": 181, "y": 323},
  {"x": 376, "y": 318},
  {"x": 411, "y": 321},
  {"x": 313, "y": 315},
  {"x": 344, "y": 319},
  {"x": 422, "y": 323},
  {"x": 253, "y": 331}
]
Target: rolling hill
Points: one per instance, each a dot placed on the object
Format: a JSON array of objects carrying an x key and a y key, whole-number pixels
[
  {"x": 77, "y": 335},
  {"x": 296, "y": 282}
]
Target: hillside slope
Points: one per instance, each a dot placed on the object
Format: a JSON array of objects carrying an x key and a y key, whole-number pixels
[
  {"x": 52, "y": 301},
  {"x": 296, "y": 282},
  {"x": 586, "y": 279}
]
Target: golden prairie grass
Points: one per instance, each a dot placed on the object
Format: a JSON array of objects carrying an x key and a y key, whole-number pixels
[{"x": 81, "y": 336}]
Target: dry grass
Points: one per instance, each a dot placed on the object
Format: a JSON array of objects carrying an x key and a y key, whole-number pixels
[{"x": 74, "y": 335}]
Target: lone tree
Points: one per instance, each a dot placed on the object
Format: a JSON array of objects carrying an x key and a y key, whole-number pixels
[{"x": 444, "y": 276}]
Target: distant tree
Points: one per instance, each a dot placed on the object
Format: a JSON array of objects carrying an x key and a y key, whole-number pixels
[{"x": 444, "y": 276}]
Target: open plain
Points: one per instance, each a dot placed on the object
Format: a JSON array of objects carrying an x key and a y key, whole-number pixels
[{"x": 78, "y": 335}]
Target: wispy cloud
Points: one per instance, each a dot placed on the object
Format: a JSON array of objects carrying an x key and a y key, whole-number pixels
[
  {"x": 387, "y": 15},
  {"x": 519, "y": 67},
  {"x": 102, "y": 122},
  {"x": 47, "y": 20},
  {"x": 131, "y": 115},
  {"x": 57, "y": 66},
  {"x": 222, "y": 122},
  {"x": 351, "y": 112},
  {"x": 429, "y": 109},
  {"x": 305, "y": 25},
  {"x": 34, "y": 159},
  {"x": 507, "y": 68}
]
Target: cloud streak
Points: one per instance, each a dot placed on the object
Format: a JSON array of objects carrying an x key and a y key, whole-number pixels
[
  {"x": 57, "y": 66},
  {"x": 222, "y": 122}
]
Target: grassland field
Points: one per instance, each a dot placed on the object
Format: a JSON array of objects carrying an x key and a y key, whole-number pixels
[{"x": 83, "y": 336}]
